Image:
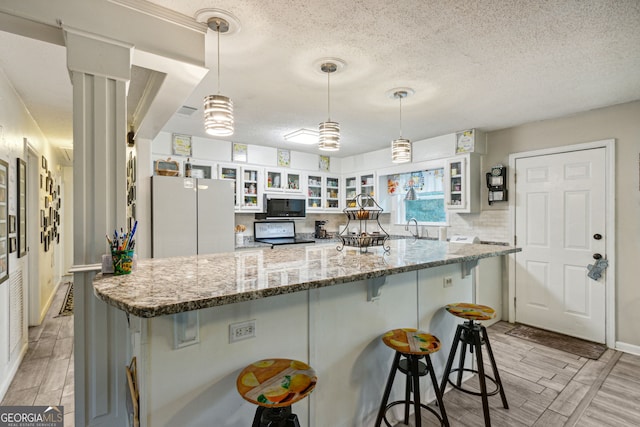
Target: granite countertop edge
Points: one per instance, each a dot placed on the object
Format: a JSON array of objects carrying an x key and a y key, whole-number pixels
[{"x": 112, "y": 293}]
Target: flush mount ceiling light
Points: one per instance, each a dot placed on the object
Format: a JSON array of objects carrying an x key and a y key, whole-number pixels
[
  {"x": 329, "y": 131},
  {"x": 303, "y": 136},
  {"x": 218, "y": 109},
  {"x": 401, "y": 147}
]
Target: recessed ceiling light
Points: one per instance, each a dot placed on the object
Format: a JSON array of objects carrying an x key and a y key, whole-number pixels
[{"x": 303, "y": 136}]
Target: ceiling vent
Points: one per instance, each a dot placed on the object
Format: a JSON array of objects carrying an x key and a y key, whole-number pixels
[{"x": 186, "y": 110}]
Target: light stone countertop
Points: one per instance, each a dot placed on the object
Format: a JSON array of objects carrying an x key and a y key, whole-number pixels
[{"x": 162, "y": 286}]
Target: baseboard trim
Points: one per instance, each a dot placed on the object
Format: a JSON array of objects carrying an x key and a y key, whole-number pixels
[{"x": 628, "y": 348}]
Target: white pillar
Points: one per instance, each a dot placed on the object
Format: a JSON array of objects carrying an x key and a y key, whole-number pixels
[{"x": 100, "y": 72}]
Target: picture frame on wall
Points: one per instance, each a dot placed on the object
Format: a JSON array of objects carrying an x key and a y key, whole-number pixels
[
  {"x": 284, "y": 158},
  {"x": 239, "y": 153},
  {"x": 12, "y": 244},
  {"x": 324, "y": 163},
  {"x": 181, "y": 145},
  {"x": 4, "y": 221},
  {"x": 22, "y": 208},
  {"x": 45, "y": 163},
  {"x": 12, "y": 224}
]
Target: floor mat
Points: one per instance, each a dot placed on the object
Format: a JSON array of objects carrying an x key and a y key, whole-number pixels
[
  {"x": 67, "y": 304},
  {"x": 558, "y": 341}
]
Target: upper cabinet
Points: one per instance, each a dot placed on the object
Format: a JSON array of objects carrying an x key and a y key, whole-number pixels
[
  {"x": 462, "y": 183},
  {"x": 231, "y": 173},
  {"x": 251, "y": 197},
  {"x": 283, "y": 180},
  {"x": 332, "y": 193},
  {"x": 359, "y": 184},
  {"x": 323, "y": 192},
  {"x": 247, "y": 182}
]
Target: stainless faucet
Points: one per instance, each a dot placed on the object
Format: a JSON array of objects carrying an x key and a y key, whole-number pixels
[{"x": 406, "y": 227}]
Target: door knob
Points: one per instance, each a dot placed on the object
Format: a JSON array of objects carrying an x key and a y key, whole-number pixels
[
  {"x": 597, "y": 236},
  {"x": 597, "y": 256}
]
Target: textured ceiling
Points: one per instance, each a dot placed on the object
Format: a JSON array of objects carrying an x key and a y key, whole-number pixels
[{"x": 482, "y": 64}]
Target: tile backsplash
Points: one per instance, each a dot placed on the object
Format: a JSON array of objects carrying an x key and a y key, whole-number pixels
[{"x": 489, "y": 225}]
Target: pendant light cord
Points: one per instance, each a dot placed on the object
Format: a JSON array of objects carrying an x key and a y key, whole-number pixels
[
  {"x": 218, "y": 30},
  {"x": 329, "y": 95},
  {"x": 400, "y": 116}
]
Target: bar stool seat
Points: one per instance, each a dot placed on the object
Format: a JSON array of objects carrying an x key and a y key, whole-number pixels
[
  {"x": 413, "y": 345},
  {"x": 274, "y": 385},
  {"x": 474, "y": 335}
]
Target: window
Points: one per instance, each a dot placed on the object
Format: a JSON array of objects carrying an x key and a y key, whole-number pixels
[{"x": 428, "y": 207}]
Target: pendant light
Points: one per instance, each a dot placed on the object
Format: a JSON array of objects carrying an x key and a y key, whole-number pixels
[
  {"x": 329, "y": 132},
  {"x": 218, "y": 109},
  {"x": 401, "y": 147}
]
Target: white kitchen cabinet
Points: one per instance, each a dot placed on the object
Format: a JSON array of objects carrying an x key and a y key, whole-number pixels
[
  {"x": 231, "y": 173},
  {"x": 359, "y": 184},
  {"x": 462, "y": 184},
  {"x": 251, "y": 183},
  {"x": 331, "y": 193},
  {"x": 247, "y": 184},
  {"x": 323, "y": 193},
  {"x": 277, "y": 180},
  {"x": 315, "y": 190}
]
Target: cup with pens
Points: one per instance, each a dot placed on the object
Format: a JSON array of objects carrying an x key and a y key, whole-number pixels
[{"x": 122, "y": 249}]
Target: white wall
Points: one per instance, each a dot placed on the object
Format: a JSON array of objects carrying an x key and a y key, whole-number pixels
[{"x": 16, "y": 124}]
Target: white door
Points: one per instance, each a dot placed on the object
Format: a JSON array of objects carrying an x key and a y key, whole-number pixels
[{"x": 560, "y": 225}]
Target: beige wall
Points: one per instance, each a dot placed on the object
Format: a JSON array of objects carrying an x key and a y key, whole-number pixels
[{"x": 622, "y": 123}]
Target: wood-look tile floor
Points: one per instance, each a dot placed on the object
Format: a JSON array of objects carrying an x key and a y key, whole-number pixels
[
  {"x": 545, "y": 387},
  {"x": 45, "y": 376}
]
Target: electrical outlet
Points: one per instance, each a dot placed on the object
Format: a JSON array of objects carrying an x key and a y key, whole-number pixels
[
  {"x": 447, "y": 282},
  {"x": 242, "y": 330}
]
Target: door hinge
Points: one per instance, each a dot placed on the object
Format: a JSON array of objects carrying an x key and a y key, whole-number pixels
[
  {"x": 515, "y": 302},
  {"x": 515, "y": 240},
  {"x": 515, "y": 178}
]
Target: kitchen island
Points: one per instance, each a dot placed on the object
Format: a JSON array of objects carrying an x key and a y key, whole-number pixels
[{"x": 309, "y": 302}]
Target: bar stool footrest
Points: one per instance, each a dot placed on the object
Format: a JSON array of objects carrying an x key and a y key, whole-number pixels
[
  {"x": 404, "y": 402},
  {"x": 468, "y": 391}
]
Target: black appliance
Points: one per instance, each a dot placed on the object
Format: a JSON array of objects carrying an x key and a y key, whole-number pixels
[
  {"x": 277, "y": 233},
  {"x": 284, "y": 207},
  {"x": 320, "y": 232}
]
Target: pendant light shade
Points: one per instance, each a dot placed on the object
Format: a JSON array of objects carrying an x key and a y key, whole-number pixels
[
  {"x": 218, "y": 115},
  {"x": 329, "y": 131},
  {"x": 401, "y": 147},
  {"x": 218, "y": 109},
  {"x": 329, "y": 136}
]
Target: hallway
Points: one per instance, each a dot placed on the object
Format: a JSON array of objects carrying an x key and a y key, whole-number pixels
[{"x": 45, "y": 376}]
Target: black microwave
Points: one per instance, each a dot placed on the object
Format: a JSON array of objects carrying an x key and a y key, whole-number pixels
[{"x": 280, "y": 206}]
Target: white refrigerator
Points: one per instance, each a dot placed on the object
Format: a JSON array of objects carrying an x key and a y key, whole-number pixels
[{"x": 191, "y": 216}]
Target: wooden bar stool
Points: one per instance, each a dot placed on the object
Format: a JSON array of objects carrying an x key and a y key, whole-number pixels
[
  {"x": 474, "y": 335},
  {"x": 274, "y": 385},
  {"x": 413, "y": 345}
]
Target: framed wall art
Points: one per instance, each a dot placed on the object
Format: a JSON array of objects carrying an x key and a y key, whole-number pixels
[
  {"x": 181, "y": 145},
  {"x": 22, "y": 208},
  {"x": 4, "y": 221},
  {"x": 284, "y": 158},
  {"x": 239, "y": 153}
]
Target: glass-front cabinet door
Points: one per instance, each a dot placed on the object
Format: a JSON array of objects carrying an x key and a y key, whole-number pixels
[
  {"x": 231, "y": 173},
  {"x": 332, "y": 193},
  {"x": 456, "y": 191},
  {"x": 368, "y": 187},
  {"x": 350, "y": 191},
  {"x": 281, "y": 180},
  {"x": 314, "y": 192},
  {"x": 251, "y": 198},
  {"x": 462, "y": 183}
]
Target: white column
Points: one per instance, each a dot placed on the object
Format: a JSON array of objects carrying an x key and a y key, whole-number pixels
[{"x": 100, "y": 72}]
